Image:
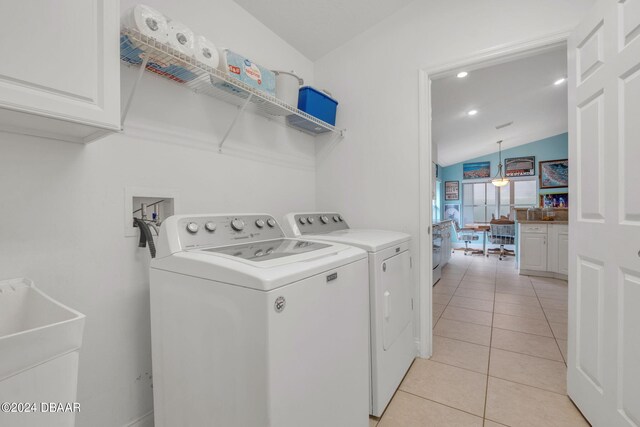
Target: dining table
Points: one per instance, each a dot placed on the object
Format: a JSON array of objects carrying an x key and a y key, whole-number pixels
[{"x": 480, "y": 227}]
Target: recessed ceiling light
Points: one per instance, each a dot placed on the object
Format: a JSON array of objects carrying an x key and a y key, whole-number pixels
[
  {"x": 559, "y": 81},
  {"x": 462, "y": 74},
  {"x": 472, "y": 112}
]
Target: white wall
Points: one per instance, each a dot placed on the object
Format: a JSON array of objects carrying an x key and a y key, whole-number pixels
[
  {"x": 372, "y": 176},
  {"x": 62, "y": 204}
]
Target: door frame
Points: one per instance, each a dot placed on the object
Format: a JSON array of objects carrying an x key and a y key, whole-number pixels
[{"x": 481, "y": 59}]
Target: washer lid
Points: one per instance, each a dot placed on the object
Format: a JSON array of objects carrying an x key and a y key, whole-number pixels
[
  {"x": 369, "y": 240},
  {"x": 269, "y": 249},
  {"x": 244, "y": 268}
]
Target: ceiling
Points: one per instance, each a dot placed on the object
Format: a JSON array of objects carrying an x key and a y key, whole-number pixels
[
  {"x": 521, "y": 91},
  {"x": 314, "y": 27}
]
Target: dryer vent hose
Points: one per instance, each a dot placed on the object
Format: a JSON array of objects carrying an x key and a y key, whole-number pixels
[{"x": 145, "y": 236}]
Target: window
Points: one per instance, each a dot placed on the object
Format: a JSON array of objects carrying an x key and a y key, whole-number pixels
[
  {"x": 481, "y": 200},
  {"x": 437, "y": 202},
  {"x": 524, "y": 193}
]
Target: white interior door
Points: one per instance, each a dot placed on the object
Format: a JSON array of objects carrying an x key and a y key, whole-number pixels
[{"x": 604, "y": 262}]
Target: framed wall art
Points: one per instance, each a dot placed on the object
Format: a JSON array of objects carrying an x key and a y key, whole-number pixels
[
  {"x": 520, "y": 166},
  {"x": 554, "y": 173},
  {"x": 476, "y": 170},
  {"x": 557, "y": 200},
  {"x": 452, "y": 212},
  {"x": 452, "y": 190}
]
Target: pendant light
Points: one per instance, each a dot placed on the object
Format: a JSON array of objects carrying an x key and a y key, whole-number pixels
[{"x": 499, "y": 180}]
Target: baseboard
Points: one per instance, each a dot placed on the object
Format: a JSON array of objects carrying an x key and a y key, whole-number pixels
[
  {"x": 543, "y": 274},
  {"x": 144, "y": 421}
]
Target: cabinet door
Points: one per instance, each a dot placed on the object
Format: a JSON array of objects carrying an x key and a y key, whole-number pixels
[
  {"x": 446, "y": 246},
  {"x": 533, "y": 251},
  {"x": 61, "y": 62},
  {"x": 552, "y": 248},
  {"x": 563, "y": 252}
]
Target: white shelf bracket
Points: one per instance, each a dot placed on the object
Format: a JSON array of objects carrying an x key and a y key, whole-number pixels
[
  {"x": 233, "y": 123},
  {"x": 125, "y": 111}
]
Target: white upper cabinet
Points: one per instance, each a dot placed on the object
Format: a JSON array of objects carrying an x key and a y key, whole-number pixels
[{"x": 60, "y": 70}]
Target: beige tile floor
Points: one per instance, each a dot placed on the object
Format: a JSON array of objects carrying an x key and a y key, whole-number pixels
[{"x": 499, "y": 348}]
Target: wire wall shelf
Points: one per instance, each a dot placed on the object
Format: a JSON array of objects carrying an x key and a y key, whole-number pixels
[{"x": 160, "y": 58}]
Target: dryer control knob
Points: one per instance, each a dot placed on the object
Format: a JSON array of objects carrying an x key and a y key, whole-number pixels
[
  {"x": 210, "y": 226},
  {"x": 271, "y": 222},
  {"x": 310, "y": 220},
  {"x": 335, "y": 218},
  {"x": 259, "y": 223},
  {"x": 324, "y": 219},
  {"x": 237, "y": 224},
  {"x": 339, "y": 218},
  {"x": 302, "y": 220},
  {"x": 192, "y": 228}
]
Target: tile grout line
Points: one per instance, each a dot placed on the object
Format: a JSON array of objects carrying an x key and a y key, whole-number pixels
[
  {"x": 486, "y": 390},
  {"x": 526, "y": 354},
  {"x": 454, "y": 366},
  {"x": 440, "y": 403},
  {"x": 530, "y": 333},
  {"x": 529, "y": 385},
  {"x": 448, "y": 302},
  {"x": 497, "y": 348},
  {"x": 549, "y": 324}
]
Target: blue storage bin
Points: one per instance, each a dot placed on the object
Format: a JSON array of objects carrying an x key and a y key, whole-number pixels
[{"x": 318, "y": 104}]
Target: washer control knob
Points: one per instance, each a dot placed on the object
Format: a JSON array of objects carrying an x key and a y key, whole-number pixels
[
  {"x": 340, "y": 218},
  {"x": 310, "y": 220},
  {"x": 259, "y": 223},
  {"x": 302, "y": 220},
  {"x": 271, "y": 222},
  {"x": 335, "y": 218},
  {"x": 192, "y": 227},
  {"x": 324, "y": 219},
  {"x": 210, "y": 226},
  {"x": 237, "y": 224}
]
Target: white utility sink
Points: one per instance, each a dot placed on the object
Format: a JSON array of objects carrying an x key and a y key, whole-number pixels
[{"x": 40, "y": 341}]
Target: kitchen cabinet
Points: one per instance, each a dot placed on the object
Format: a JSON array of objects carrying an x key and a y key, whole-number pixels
[
  {"x": 446, "y": 243},
  {"x": 558, "y": 248},
  {"x": 563, "y": 252},
  {"x": 544, "y": 249},
  {"x": 60, "y": 74},
  {"x": 533, "y": 251},
  {"x": 441, "y": 248}
]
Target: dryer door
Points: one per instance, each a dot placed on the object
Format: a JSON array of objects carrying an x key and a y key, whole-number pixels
[{"x": 395, "y": 278}]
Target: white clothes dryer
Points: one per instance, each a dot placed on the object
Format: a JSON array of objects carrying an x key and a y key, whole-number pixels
[
  {"x": 250, "y": 328},
  {"x": 392, "y": 343}
]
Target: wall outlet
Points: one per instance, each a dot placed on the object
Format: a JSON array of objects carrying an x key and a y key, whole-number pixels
[{"x": 158, "y": 201}]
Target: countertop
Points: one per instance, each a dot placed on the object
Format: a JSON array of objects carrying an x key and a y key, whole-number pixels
[
  {"x": 543, "y": 222},
  {"x": 444, "y": 222}
]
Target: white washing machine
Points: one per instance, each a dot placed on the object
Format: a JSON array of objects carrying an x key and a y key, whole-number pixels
[
  {"x": 252, "y": 329},
  {"x": 393, "y": 346}
]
